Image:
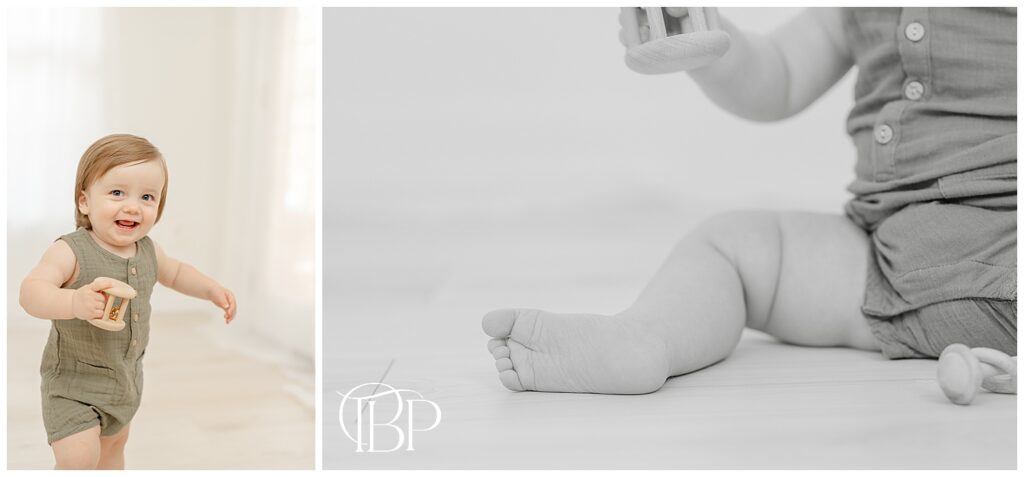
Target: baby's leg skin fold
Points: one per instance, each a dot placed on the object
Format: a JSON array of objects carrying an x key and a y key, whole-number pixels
[
  {"x": 818, "y": 291},
  {"x": 797, "y": 276}
]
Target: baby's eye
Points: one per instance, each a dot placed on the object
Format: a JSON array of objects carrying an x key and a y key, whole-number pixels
[
  {"x": 117, "y": 193},
  {"x": 148, "y": 197}
]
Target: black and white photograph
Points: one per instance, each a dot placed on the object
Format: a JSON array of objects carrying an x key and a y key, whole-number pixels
[{"x": 669, "y": 238}]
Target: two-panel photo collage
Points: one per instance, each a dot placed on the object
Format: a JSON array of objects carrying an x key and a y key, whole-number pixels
[{"x": 477, "y": 237}]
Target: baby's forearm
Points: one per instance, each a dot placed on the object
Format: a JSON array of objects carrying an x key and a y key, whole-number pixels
[
  {"x": 192, "y": 282},
  {"x": 749, "y": 80},
  {"x": 43, "y": 300}
]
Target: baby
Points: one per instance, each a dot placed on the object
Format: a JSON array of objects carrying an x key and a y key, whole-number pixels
[
  {"x": 925, "y": 255},
  {"x": 91, "y": 377}
]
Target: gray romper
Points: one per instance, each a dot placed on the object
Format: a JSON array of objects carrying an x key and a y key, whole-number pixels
[
  {"x": 935, "y": 125},
  {"x": 91, "y": 376}
]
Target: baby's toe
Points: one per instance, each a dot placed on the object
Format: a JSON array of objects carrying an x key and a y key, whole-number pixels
[
  {"x": 500, "y": 352},
  {"x": 496, "y": 343},
  {"x": 498, "y": 323},
  {"x": 503, "y": 364},
  {"x": 510, "y": 379}
]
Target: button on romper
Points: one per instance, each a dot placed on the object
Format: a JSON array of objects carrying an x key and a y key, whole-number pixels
[{"x": 91, "y": 376}]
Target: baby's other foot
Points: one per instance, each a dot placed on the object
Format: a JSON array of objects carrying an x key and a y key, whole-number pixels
[{"x": 540, "y": 351}]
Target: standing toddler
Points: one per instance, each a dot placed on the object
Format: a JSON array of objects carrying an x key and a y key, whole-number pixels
[{"x": 92, "y": 378}]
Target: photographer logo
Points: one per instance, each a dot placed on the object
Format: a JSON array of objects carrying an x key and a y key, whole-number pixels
[{"x": 380, "y": 418}]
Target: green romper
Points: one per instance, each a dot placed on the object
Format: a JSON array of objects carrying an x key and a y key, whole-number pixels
[{"x": 92, "y": 376}]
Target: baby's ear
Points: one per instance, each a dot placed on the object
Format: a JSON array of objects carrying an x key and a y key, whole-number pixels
[{"x": 83, "y": 203}]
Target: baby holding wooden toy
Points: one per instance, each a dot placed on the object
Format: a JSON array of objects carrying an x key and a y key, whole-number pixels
[
  {"x": 924, "y": 256},
  {"x": 92, "y": 375}
]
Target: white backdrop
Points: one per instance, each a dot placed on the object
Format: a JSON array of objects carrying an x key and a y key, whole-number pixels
[
  {"x": 228, "y": 97},
  {"x": 457, "y": 104},
  {"x": 458, "y": 120}
]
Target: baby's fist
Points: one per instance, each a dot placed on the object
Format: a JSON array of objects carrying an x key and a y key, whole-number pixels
[{"x": 87, "y": 303}]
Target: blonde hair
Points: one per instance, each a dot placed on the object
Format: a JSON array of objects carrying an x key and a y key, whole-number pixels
[{"x": 107, "y": 153}]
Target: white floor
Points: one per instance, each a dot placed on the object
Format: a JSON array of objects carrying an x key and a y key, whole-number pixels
[
  {"x": 210, "y": 402},
  {"x": 769, "y": 406}
]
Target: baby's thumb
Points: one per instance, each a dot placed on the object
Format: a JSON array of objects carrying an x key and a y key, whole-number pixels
[{"x": 100, "y": 284}]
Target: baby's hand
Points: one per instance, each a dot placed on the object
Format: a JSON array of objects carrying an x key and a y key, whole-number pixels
[
  {"x": 635, "y": 27},
  {"x": 667, "y": 40},
  {"x": 88, "y": 302},
  {"x": 223, "y": 298}
]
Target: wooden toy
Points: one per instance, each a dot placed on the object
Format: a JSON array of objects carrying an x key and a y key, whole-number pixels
[
  {"x": 113, "y": 313},
  {"x": 962, "y": 371},
  {"x": 666, "y": 40}
]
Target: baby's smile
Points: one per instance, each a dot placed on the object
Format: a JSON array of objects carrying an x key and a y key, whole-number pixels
[{"x": 126, "y": 225}]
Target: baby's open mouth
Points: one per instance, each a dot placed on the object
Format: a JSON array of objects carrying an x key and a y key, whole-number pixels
[{"x": 127, "y": 224}]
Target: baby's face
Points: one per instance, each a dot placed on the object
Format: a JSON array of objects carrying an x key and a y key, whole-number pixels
[{"x": 122, "y": 205}]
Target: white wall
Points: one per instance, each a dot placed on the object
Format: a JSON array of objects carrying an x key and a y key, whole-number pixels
[
  {"x": 450, "y": 111},
  {"x": 213, "y": 88}
]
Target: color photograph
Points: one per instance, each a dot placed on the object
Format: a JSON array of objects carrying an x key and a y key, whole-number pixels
[{"x": 161, "y": 228}]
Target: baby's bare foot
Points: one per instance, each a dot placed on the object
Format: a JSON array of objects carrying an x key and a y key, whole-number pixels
[{"x": 540, "y": 351}]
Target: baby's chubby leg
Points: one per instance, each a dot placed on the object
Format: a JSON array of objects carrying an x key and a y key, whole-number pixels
[
  {"x": 797, "y": 276},
  {"x": 112, "y": 450},
  {"x": 80, "y": 451}
]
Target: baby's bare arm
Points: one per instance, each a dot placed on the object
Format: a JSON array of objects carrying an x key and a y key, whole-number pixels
[
  {"x": 771, "y": 77},
  {"x": 41, "y": 294},
  {"x": 185, "y": 278}
]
